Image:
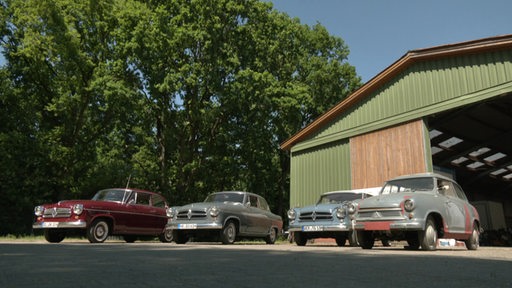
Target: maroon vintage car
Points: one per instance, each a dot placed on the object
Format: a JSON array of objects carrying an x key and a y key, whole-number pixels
[{"x": 130, "y": 213}]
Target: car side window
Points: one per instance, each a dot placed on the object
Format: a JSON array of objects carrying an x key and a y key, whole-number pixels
[
  {"x": 143, "y": 198},
  {"x": 460, "y": 192},
  {"x": 263, "y": 204},
  {"x": 158, "y": 201},
  {"x": 446, "y": 188},
  {"x": 253, "y": 200}
]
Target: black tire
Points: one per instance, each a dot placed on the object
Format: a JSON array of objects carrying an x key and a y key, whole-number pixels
[
  {"x": 413, "y": 241},
  {"x": 166, "y": 237},
  {"x": 179, "y": 237},
  {"x": 98, "y": 232},
  {"x": 228, "y": 233},
  {"x": 385, "y": 242},
  {"x": 299, "y": 239},
  {"x": 428, "y": 237},
  {"x": 54, "y": 235},
  {"x": 272, "y": 236},
  {"x": 130, "y": 238},
  {"x": 352, "y": 239},
  {"x": 474, "y": 241},
  {"x": 341, "y": 239},
  {"x": 366, "y": 239}
]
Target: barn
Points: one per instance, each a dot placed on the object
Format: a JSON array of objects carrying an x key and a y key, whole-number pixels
[{"x": 445, "y": 109}]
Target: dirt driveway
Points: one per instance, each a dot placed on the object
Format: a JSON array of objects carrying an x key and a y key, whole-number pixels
[{"x": 151, "y": 264}]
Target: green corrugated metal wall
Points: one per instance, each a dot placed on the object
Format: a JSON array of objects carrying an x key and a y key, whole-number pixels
[
  {"x": 324, "y": 169},
  {"x": 423, "y": 89}
]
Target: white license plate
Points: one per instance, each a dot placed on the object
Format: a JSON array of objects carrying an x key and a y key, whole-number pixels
[
  {"x": 50, "y": 224},
  {"x": 187, "y": 226},
  {"x": 312, "y": 228}
]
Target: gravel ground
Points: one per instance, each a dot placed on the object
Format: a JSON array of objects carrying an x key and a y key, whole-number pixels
[{"x": 75, "y": 264}]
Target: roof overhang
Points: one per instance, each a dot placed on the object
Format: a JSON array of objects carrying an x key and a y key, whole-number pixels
[{"x": 411, "y": 57}]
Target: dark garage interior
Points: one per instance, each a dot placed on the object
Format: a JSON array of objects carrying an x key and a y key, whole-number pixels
[{"x": 474, "y": 145}]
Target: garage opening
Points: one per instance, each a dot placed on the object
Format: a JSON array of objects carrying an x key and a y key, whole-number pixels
[{"x": 474, "y": 145}]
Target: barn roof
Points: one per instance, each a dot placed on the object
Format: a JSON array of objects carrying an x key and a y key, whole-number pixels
[{"x": 411, "y": 57}]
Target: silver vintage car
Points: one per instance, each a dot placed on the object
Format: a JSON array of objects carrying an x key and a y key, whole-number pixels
[
  {"x": 331, "y": 217},
  {"x": 419, "y": 209},
  {"x": 226, "y": 216}
]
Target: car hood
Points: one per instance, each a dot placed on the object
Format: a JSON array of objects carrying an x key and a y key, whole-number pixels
[
  {"x": 86, "y": 203},
  {"x": 385, "y": 201},
  {"x": 320, "y": 207},
  {"x": 206, "y": 205}
]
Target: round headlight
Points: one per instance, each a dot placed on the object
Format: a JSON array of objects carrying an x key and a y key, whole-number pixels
[
  {"x": 341, "y": 212},
  {"x": 78, "y": 209},
  {"x": 351, "y": 208},
  {"x": 170, "y": 212},
  {"x": 214, "y": 212},
  {"x": 39, "y": 210},
  {"x": 291, "y": 214},
  {"x": 409, "y": 205}
]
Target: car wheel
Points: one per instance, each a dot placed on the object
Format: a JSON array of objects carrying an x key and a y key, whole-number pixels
[
  {"x": 54, "y": 235},
  {"x": 98, "y": 231},
  {"x": 352, "y": 239},
  {"x": 366, "y": 239},
  {"x": 166, "y": 237},
  {"x": 428, "y": 237},
  {"x": 129, "y": 238},
  {"x": 179, "y": 237},
  {"x": 473, "y": 242},
  {"x": 341, "y": 239},
  {"x": 272, "y": 236},
  {"x": 228, "y": 233},
  {"x": 300, "y": 239}
]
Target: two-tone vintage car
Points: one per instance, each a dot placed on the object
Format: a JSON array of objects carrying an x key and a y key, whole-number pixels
[
  {"x": 419, "y": 209},
  {"x": 225, "y": 216},
  {"x": 331, "y": 217},
  {"x": 130, "y": 213}
]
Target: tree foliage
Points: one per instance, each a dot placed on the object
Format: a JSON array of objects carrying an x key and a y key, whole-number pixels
[{"x": 181, "y": 97}]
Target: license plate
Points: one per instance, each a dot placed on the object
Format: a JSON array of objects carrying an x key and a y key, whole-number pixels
[
  {"x": 187, "y": 226},
  {"x": 50, "y": 224},
  {"x": 312, "y": 228}
]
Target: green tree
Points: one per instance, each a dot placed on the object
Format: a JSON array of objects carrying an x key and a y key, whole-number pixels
[{"x": 180, "y": 97}]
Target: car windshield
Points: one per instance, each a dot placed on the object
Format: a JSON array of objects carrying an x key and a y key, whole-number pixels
[
  {"x": 225, "y": 197},
  {"x": 336, "y": 198},
  {"x": 408, "y": 185},
  {"x": 113, "y": 195}
]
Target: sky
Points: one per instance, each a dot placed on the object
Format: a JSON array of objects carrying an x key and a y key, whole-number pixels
[{"x": 379, "y": 32}]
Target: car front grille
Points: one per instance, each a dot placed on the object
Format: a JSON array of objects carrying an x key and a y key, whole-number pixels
[
  {"x": 315, "y": 216},
  {"x": 57, "y": 213},
  {"x": 191, "y": 214},
  {"x": 380, "y": 214}
]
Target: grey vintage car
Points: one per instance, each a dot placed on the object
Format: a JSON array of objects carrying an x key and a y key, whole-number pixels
[
  {"x": 331, "y": 217},
  {"x": 419, "y": 209},
  {"x": 225, "y": 216}
]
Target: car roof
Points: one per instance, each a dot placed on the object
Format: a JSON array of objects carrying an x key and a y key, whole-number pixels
[
  {"x": 371, "y": 191},
  {"x": 422, "y": 175}
]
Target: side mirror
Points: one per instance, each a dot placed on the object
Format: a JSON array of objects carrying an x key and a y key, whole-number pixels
[{"x": 247, "y": 204}]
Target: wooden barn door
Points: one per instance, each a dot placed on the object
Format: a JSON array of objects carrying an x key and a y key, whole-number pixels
[{"x": 378, "y": 156}]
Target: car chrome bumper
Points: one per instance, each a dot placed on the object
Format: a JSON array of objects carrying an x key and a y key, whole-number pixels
[
  {"x": 313, "y": 227},
  {"x": 59, "y": 225},
  {"x": 388, "y": 225},
  {"x": 193, "y": 226}
]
